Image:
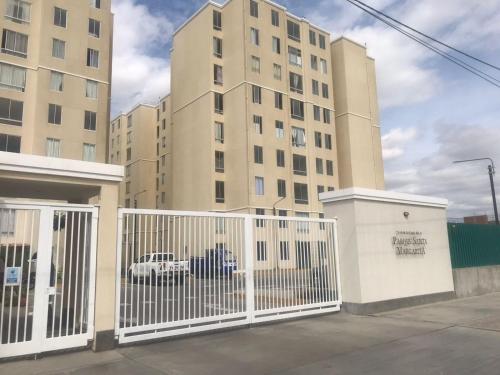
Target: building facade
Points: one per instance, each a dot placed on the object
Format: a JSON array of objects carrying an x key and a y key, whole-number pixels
[
  {"x": 264, "y": 114},
  {"x": 55, "y": 71}
]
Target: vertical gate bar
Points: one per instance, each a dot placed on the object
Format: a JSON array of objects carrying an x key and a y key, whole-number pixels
[
  {"x": 337, "y": 262},
  {"x": 77, "y": 266},
  {"x": 151, "y": 254},
  {"x": 92, "y": 271},
  {"x": 184, "y": 229},
  {"x": 140, "y": 273},
  {"x": 11, "y": 288},
  {"x": 179, "y": 238},
  {"x": 160, "y": 254},
  {"x": 163, "y": 278},
  {"x": 2, "y": 216},
  {"x": 168, "y": 280},
  {"x": 84, "y": 264},
  {"x": 58, "y": 213},
  {"x": 118, "y": 281},
  {"x": 21, "y": 284},
  {"x": 188, "y": 278},
  {"x": 63, "y": 284},
  {"x": 29, "y": 275},
  {"x": 68, "y": 294},
  {"x": 134, "y": 296},
  {"x": 249, "y": 277},
  {"x": 331, "y": 264}
]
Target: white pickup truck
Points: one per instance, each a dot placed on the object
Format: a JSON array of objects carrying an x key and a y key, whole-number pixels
[{"x": 158, "y": 266}]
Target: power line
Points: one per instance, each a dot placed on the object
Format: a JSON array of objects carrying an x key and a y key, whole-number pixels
[
  {"x": 428, "y": 36},
  {"x": 488, "y": 78}
]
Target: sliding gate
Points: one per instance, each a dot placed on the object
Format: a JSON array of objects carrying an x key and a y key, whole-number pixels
[
  {"x": 47, "y": 275},
  {"x": 183, "y": 272}
]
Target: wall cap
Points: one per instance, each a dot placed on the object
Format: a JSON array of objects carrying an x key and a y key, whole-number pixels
[{"x": 382, "y": 196}]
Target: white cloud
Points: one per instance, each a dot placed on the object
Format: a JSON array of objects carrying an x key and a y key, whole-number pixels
[
  {"x": 139, "y": 75},
  {"x": 395, "y": 141}
]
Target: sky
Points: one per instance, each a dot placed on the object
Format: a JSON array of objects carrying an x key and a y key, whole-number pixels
[{"x": 432, "y": 112}]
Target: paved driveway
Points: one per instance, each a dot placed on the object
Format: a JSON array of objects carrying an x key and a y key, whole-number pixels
[{"x": 455, "y": 337}]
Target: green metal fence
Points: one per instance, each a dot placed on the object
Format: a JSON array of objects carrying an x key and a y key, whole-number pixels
[{"x": 474, "y": 245}]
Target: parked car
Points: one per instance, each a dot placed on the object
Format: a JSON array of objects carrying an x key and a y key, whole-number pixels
[
  {"x": 215, "y": 263},
  {"x": 158, "y": 266}
]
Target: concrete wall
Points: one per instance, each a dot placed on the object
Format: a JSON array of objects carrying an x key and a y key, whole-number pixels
[{"x": 475, "y": 281}]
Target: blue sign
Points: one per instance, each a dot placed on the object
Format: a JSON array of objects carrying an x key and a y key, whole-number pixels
[{"x": 13, "y": 276}]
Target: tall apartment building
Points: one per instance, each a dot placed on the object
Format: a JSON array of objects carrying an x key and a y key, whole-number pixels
[
  {"x": 131, "y": 143},
  {"x": 55, "y": 71},
  {"x": 264, "y": 114}
]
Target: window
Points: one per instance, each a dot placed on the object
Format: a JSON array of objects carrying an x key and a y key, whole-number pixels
[
  {"x": 92, "y": 58},
  {"x": 163, "y": 142},
  {"x": 12, "y": 77},
  {"x": 90, "y": 121},
  {"x": 294, "y": 56},
  {"x": 319, "y": 166},
  {"x": 331, "y": 188},
  {"x": 275, "y": 18},
  {"x": 11, "y": 112},
  {"x": 218, "y": 75},
  {"x": 299, "y": 165},
  {"x": 58, "y": 48},
  {"x": 293, "y": 30},
  {"x": 217, "y": 17},
  {"x": 281, "y": 188},
  {"x": 129, "y": 122},
  {"x": 277, "y": 72},
  {"x": 10, "y": 143},
  {"x": 219, "y": 192},
  {"x": 56, "y": 81},
  {"x": 219, "y": 132},
  {"x": 328, "y": 141},
  {"x": 322, "y": 41},
  {"x": 315, "y": 87},
  {"x": 255, "y": 64},
  {"x": 314, "y": 62},
  {"x": 164, "y": 124},
  {"x": 324, "y": 68},
  {"x": 298, "y": 137},
  {"x": 280, "y": 158},
  {"x": 163, "y": 106},
  {"x": 55, "y": 114},
  {"x": 258, "y": 155},
  {"x": 278, "y": 100},
  {"x": 259, "y": 223},
  {"x": 53, "y": 147},
  {"x": 280, "y": 131},
  {"x": 256, "y": 94},
  {"x": 312, "y": 37},
  {"x": 261, "y": 251},
  {"x": 317, "y": 139},
  {"x": 254, "y": 36},
  {"x": 329, "y": 168},
  {"x": 320, "y": 189},
  {"x": 217, "y": 46},
  {"x": 296, "y": 84},
  {"x": 259, "y": 185},
  {"x": 297, "y": 109},
  {"x": 95, "y": 4},
  {"x": 14, "y": 43},
  {"x": 254, "y": 8},
  {"x": 19, "y": 11},
  {"x": 324, "y": 89},
  {"x": 88, "y": 152},
  {"x": 257, "y": 123},
  {"x": 218, "y": 103},
  {"x": 91, "y": 89},
  {"x": 301, "y": 196},
  {"x": 326, "y": 115},
  {"x": 276, "y": 45},
  {"x": 129, "y": 154},
  {"x": 60, "y": 17},
  {"x": 94, "y": 28},
  {"x": 219, "y": 161},
  {"x": 284, "y": 250}
]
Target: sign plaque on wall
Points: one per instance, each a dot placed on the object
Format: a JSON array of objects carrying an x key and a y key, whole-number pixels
[{"x": 409, "y": 243}]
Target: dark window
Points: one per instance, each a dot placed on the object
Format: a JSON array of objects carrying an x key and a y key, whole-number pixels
[
  {"x": 297, "y": 109},
  {"x": 14, "y": 43},
  {"x": 280, "y": 131},
  {"x": 293, "y": 30},
  {"x": 256, "y": 94},
  {"x": 219, "y": 132},
  {"x": 261, "y": 251},
  {"x": 312, "y": 37},
  {"x": 11, "y": 112},
  {"x": 259, "y": 223},
  {"x": 55, "y": 114},
  {"x": 217, "y": 20},
  {"x": 280, "y": 158},
  {"x": 317, "y": 113},
  {"x": 296, "y": 84},
  {"x": 326, "y": 115},
  {"x": 96, "y": 3},
  {"x": 218, "y": 102},
  {"x": 321, "y": 189},
  {"x": 331, "y": 188},
  {"x": 328, "y": 141},
  {"x": 60, "y": 17},
  {"x": 129, "y": 154},
  {"x": 314, "y": 62},
  {"x": 258, "y": 154},
  {"x": 92, "y": 58},
  {"x": 275, "y": 18},
  {"x": 322, "y": 41},
  {"x": 299, "y": 165},
  {"x": 90, "y": 120},
  {"x": 294, "y": 56},
  {"x": 284, "y": 251},
  {"x": 217, "y": 47},
  {"x": 219, "y": 161},
  {"x": 257, "y": 123},
  {"x": 278, "y": 100},
  {"x": 324, "y": 89},
  {"x": 329, "y": 168},
  {"x": 10, "y": 143},
  {"x": 254, "y": 8},
  {"x": 283, "y": 223},
  {"x": 281, "y": 188},
  {"x": 219, "y": 192},
  {"x": 218, "y": 79},
  {"x": 276, "y": 45},
  {"x": 94, "y": 28},
  {"x": 315, "y": 87},
  {"x": 317, "y": 139},
  {"x": 319, "y": 166},
  {"x": 301, "y": 196}
]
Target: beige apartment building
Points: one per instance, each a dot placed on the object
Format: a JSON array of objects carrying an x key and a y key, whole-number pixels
[
  {"x": 264, "y": 114},
  {"x": 55, "y": 71}
]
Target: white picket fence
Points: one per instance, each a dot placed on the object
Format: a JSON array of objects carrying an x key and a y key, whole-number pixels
[{"x": 184, "y": 272}]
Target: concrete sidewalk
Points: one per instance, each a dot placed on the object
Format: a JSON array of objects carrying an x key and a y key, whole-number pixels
[{"x": 455, "y": 337}]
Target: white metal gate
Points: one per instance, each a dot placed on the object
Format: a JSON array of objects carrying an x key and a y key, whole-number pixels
[
  {"x": 183, "y": 272},
  {"x": 47, "y": 267}
]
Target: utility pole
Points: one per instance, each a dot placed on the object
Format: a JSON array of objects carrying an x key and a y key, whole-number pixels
[{"x": 491, "y": 172}]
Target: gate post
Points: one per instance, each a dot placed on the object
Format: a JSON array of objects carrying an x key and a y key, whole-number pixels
[
  {"x": 249, "y": 280},
  {"x": 105, "y": 292}
]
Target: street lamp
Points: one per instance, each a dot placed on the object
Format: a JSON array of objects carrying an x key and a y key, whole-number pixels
[{"x": 491, "y": 172}]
